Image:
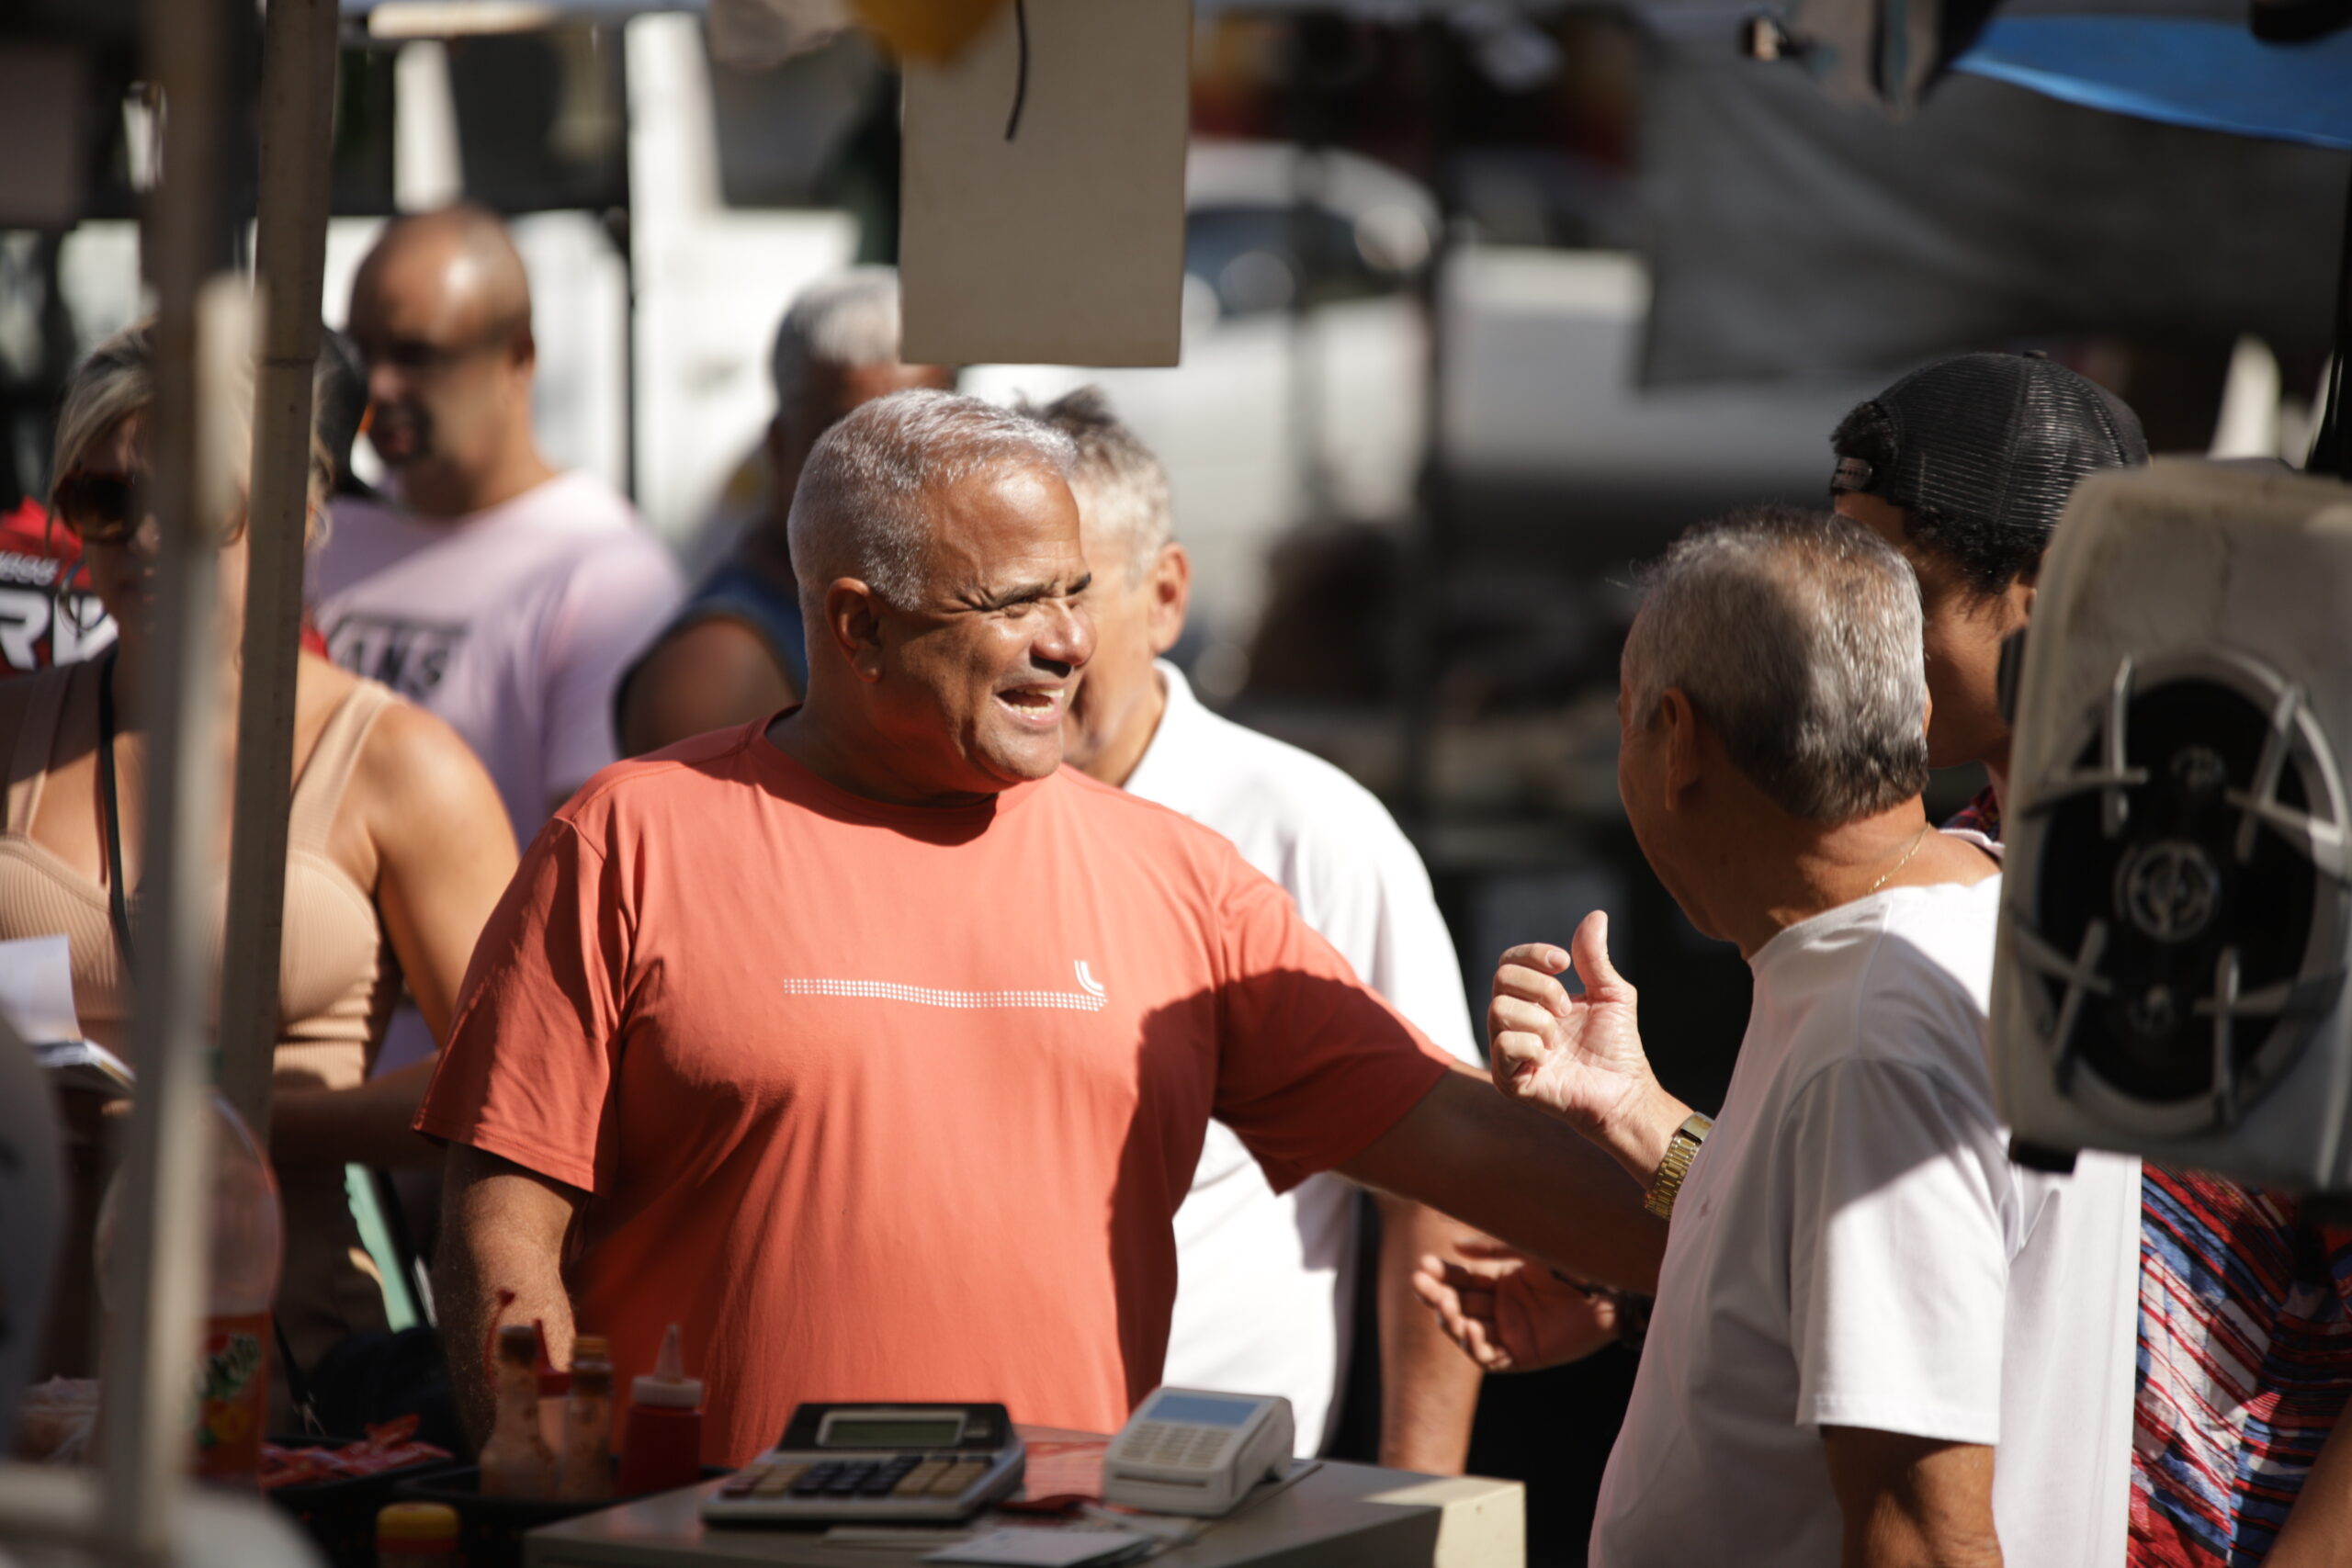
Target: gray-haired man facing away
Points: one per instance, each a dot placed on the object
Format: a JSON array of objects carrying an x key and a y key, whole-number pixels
[
  {"x": 1877, "y": 1341},
  {"x": 736, "y": 650}
]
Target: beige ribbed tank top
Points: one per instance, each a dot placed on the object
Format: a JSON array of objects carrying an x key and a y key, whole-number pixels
[{"x": 336, "y": 979}]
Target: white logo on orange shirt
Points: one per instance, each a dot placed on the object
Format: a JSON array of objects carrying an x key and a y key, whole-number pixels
[{"x": 1092, "y": 997}]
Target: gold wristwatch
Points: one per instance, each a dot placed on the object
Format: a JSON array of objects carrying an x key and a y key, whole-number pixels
[{"x": 1680, "y": 1150}]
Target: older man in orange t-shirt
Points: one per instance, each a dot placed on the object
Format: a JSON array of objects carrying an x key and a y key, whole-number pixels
[{"x": 875, "y": 1049}]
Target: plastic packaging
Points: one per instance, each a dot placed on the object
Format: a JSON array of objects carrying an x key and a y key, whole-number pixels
[
  {"x": 517, "y": 1461},
  {"x": 248, "y": 1239},
  {"x": 417, "y": 1535},
  {"x": 585, "y": 1472},
  {"x": 662, "y": 1442}
]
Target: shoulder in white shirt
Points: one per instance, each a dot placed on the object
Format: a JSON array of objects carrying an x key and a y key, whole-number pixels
[{"x": 1854, "y": 1247}]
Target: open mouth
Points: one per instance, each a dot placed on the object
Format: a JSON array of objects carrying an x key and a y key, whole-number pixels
[{"x": 1040, "y": 707}]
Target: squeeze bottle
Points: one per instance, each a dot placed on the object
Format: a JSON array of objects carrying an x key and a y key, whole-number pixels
[{"x": 662, "y": 1443}]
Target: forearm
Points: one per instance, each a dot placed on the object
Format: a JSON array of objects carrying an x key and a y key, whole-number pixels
[
  {"x": 1428, "y": 1389},
  {"x": 491, "y": 1272},
  {"x": 2318, "y": 1532},
  {"x": 369, "y": 1123},
  {"x": 1520, "y": 1177},
  {"x": 1912, "y": 1502}
]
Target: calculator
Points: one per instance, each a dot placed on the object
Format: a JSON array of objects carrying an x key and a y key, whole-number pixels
[{"x": 840, "y": 1462}]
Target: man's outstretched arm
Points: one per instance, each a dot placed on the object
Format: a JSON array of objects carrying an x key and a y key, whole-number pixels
[
  {"x": 500, "y": 1261},
  {"x": 1519, "y": 1176}
]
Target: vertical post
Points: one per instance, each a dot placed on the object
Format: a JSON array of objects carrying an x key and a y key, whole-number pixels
[
  {"x": 159, "y": 1241},
  {"x": 1429, "y": 546},
  {"x": 297, "y": 131}
]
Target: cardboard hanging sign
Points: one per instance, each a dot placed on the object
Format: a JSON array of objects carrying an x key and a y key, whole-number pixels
[{"x": 1042, "y": 216}]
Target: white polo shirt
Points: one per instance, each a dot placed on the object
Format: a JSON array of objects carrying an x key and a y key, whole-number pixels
[
  {"x": 1265, "y": 1288},
  {"x": 1854, "y": 1247}
]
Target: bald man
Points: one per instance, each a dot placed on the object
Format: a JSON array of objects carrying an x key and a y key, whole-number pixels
[
  {"x": 875, "y": 1048},
  {"x": 504, "y": 594}
]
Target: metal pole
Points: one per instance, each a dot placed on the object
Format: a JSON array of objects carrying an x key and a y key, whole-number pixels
[
  {"x": 297, "y": 132},
  {"x": 159, "y": 1251}
]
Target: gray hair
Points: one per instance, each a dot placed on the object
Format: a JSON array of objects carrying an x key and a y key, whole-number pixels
[
  {"x": 848, "y": 319},
  {"x": 1121, "y": 485},
  {"x": 1796, "y": 634},
  {"x": 861, "y": 508}
]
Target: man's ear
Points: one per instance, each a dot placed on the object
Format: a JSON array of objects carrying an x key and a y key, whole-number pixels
[
  {"x": 1679, "y": 719},
  {"x": 1171, "y": 588},
  {"x": 523, "y": 350},
  {"x": 852, "y": 616}
]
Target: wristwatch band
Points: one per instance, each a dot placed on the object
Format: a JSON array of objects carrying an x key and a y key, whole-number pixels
[{"x": 1680, "y": 1150}]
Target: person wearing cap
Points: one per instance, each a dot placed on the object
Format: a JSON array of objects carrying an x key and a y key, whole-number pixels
[
  {"x": 1964, "y": 466},
  {"x": 2244, "y": 1356}
]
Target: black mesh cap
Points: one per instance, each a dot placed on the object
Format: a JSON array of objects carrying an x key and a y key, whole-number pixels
[{"x": 1983, "y": 451}]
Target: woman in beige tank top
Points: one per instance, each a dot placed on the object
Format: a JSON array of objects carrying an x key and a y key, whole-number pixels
[{"x": 397, "y": 849}]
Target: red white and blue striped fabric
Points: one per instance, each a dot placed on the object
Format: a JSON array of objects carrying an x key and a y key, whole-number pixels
[{"x": 2246, "y": 1357}]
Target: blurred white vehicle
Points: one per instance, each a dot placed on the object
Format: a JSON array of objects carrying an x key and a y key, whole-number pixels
[
  {"x": 1277, "y": 415},
  {"x": 1280, "y": 416}
]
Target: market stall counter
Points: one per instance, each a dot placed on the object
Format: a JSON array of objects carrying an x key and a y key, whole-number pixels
[{"x": 1328, "y": 1515}]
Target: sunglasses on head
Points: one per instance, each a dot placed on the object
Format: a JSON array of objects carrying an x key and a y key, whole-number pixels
[{"x": 104, "y": 509}]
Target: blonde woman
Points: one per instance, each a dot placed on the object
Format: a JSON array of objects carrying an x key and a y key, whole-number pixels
[{"x": 397, "y": 848}]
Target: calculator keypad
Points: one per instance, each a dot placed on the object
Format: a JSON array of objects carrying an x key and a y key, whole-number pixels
[{"x": 844, "y": 1479}]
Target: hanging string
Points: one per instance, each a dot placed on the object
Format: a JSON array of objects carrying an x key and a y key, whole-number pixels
[{"x": 1020, "y": 79}]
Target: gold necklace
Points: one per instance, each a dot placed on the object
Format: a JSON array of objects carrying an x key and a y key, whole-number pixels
[{"x": 1917, "y": 839}]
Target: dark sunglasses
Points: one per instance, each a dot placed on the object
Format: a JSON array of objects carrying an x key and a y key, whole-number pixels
[
  {"x": 416, "y": 357},
  {"x": 103, "y": 509}
]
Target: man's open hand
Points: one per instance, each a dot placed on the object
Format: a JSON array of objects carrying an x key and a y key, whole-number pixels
[
  {"x": 1511, "y": 1316},
  {"x": 1578, "y": 1058}
]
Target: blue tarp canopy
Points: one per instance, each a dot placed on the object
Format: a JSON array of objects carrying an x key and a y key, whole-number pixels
[{"x": 2208, "y": 75}]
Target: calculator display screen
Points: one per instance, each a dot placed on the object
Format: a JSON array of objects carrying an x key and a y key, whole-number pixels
[
  {"x": 1199, "y": 1410},
  {"x": 892, "y": 1431}
]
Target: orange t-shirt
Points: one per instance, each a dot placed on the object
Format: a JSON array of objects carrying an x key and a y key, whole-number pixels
[{"x": 887, "y": 1102}]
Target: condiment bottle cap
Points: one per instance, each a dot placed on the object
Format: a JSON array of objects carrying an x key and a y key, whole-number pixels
[
  {"x": 591, "y": 1347},
  {"x": 416, "y": 1522},
  {"x": 667, "y": 1386}
]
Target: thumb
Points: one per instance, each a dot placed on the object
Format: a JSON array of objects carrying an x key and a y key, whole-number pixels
[{"x": 1591, "y": 948}]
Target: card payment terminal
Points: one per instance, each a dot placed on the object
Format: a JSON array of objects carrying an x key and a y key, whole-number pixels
[
  {"x": 838, "y": 1463},
  {"x": 1191, "y": 1452}
]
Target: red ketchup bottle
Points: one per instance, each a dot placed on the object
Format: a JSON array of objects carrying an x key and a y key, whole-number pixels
[{"x": 662, "y": 1443}]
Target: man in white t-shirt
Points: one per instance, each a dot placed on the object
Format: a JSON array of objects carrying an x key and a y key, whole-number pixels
[
  {"x": 1265, "y": 1289},
  {"x": 1876, "y": 1339},
  {"x": 502, "y": 594}
]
